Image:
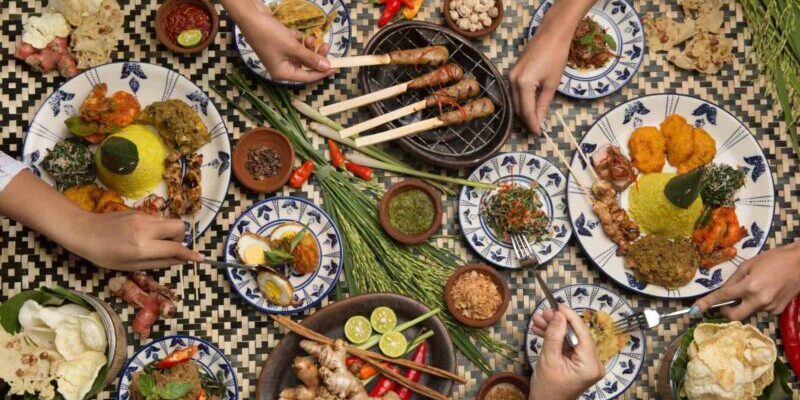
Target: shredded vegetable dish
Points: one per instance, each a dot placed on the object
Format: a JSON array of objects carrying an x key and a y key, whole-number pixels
[
  {"x": 516, "y": 210},
  {"x": 591, "y": 46}
]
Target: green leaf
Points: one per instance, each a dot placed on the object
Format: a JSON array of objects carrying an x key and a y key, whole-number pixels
[
  {"x": 9, "y": 311},
  {"x": 78, "y": 127},
  {"x": 175, "y": 390},
  {"x": 682, "y": 190},
  {"x": 586, "y": 40},
  {"x": 65, "y": 294},
  {"x": 779, "y": 388},
  {"x": 97, "y": 386},
  {"x": 277, "y": 257},
  {"x": 610, "y": 41},
  {"x": 147, "y": 385},
  {"x": 704, "y": 217},
  {"x": 119, "y": 155},
  {"x": 297, "y": 238}
]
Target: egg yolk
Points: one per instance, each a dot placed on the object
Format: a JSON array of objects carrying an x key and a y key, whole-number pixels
[{"x": 254, "y": 255}]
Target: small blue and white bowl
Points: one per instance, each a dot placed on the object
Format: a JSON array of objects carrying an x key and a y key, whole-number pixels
[
  {"x": 262, "y": 218},
  {"x": 209, "y": 359},
  {"x": 624, "y": 367},
  {"x": 520, "y": 169},
  {"x": 618, "y": 19}
]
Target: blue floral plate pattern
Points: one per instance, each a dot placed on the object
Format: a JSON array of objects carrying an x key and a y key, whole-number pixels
[
  {"x": 310, "y": 288},
  {"x": 736, "y": 146},
  {"x": 520, "y": 169},
  {"x": 149, "y": 83},
  {"x": 209, "y": 358},
  {"x": 619, "y": 20},
  {"x": 338, "y": 37},
  {"x": 623, "y": 368}
]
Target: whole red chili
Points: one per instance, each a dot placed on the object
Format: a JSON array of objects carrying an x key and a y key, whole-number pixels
[
  {"x": 790, "y": 334},
  {"x": 384, "y": 385},
  {"x": 337, "y": 158},
  {"x": 185, "y": 16},
  {"x": 179, "y": 356},
  {"x": 300, "y": 175},
  {"x": 361, "y": 171},
  {"x": 389, "y": 12},
  {"x": 413, "y": 375},
  {"x": 408, "y": 3}
]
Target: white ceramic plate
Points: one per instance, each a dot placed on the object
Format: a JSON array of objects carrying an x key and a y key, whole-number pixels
[
  {"x": 735, "y": 146},
  {"x": 619, "y": 20},
  {"x": 267, "y": 215},
  {"x": 623, "y": 368},
  {"x": 149, "y": 83},
  {"x": 209, "y": 358},
  {"x": 338, "y": 37},
  {"x": 520, "y": 169}
]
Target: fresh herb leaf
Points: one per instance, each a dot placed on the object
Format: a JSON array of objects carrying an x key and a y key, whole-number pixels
[
  {"x": 704, "y": 218},
  {"x": 587, "y": 39},
  {"x": 175, "y": 390},
  {"x": 78, "y": 127},
  {"x": 9, "y": 311},
  {"x": 119, "y": 155},
  {"x": 277, "y": 257},
  {"x": 610, "y": 41},
  {"x": 683, "y": 189},
  {"x": 67, "y": 295},
  {"x": 779, "y": 388},
  {"x": 147, "y": 385},
  {"x": 97, "y": 386},
  {"x": 297, "y": 238},
  {"x": 720, "y": 183}
]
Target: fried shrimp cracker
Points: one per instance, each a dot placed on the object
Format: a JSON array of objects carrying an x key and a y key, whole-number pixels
[
  {"x": 647, "y": 146},
  {"x": 680, "y": 139},
  {"x": 705, "y": 148}
]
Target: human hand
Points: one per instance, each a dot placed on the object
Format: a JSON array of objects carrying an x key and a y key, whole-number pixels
[
  {"x": 766, "y": 282},
  {"x": 563, "y": 373},
  {"x": 131, "y": 241}
]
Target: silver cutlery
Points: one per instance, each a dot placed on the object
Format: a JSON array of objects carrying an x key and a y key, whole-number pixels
[{"x": 650, "y": 318}]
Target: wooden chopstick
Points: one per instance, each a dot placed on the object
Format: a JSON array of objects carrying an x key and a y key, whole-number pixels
[
  {"x": 359, "y": 61},
  {"x": 318, "y": 337}
]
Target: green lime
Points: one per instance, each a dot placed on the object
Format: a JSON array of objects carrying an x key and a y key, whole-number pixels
[
  {"x": 357, "y": 329},
  {"x": 393, "y": 344},
  {"x": 383, "y": 319},
  {"x": 190, "y": 38}
]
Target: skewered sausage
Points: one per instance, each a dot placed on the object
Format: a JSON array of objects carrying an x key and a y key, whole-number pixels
[
  {"x": 480, "y": 108},
  {"x": 434, "y": 55},
  {"x": 441, "y": 76},
  {"x": 464, "y": 89}
]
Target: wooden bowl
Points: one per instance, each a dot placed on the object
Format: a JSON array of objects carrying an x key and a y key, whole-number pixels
[
  {"x": 402, "y": 187},
  {"x": 521, "y": 382},
  {"x": 664, "y": 385},
  {"x": 498, "y": 280},
  {"x": 116, "y": 335},
  {"x": 161, "y": 16},
  {"x": 479, "y": 33},
  {"x": 256, "y": 138}
]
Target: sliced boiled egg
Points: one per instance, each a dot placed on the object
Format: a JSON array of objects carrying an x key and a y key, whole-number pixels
[
  {"x": 251, "y": 248},
  {"x": 285, "y": 231}
]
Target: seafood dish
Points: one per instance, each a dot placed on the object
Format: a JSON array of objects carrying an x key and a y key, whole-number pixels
[
  {"x": 591, "y": 46},
  {"x": 180, "y": 376}
]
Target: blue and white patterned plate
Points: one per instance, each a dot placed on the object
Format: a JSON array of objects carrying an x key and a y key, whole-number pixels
[
  {"x": 521, "y": 169},
  {"x": 619, "y": 20},
  {"x": 338, "y": 37},
  {"x": 736, "y": 146},
  {"x": 623, "y": 368},
  {"x": 267, "y": 215},
  {"x": 149, "y": 83},
  {"x": 209, "y": 358}
]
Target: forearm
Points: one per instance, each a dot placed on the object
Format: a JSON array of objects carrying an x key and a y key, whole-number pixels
[{"x": 564, "y": 15}]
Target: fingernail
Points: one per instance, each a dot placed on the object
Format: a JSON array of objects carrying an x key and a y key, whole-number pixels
[
  {"x": 694, "y": 311},
  {"x": 324, "y": 64}
]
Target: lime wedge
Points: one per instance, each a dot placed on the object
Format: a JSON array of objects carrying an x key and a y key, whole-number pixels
[
  {"x": 357, "y": 329},
  {"x": 190, "y": 38},
  {"x": 393, "y": 344},
  {"x": 383, "y": 319}
]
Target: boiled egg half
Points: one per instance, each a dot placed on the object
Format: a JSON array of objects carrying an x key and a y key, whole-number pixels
[{"x": 251, "y": 248}]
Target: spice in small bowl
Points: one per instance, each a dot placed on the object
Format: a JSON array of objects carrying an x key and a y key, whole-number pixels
[
  {"x": 186, "y": 26},
  {"x": 504, "y": 386},
  {"x": 411, "y": 211},
  {"x": 262, "y": 160},
  {"x": 476, "y": 295}
]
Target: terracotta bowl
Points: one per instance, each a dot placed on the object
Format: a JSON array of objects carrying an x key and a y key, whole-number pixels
[
  {"x": 256, "y": 138},
  {"x": 521, "y": 382},
  {"x": 498, "y": 280},
  {"x": 161, "y": 16},
  {"x": 479, "y": 33},
  {"x": 402, "y": 187}
]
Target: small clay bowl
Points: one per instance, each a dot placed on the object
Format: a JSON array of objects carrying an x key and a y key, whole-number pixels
[
  {"x": 479, "y": 33},
  {"x": 498, "y": 280},
  {"x": 161, "y": 17},
  {"x": 257, "y": 138},
  {"x": 522, "y": 383},
  {"x": 402, "y": 187}
]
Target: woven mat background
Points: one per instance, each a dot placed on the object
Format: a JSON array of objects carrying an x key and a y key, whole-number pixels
[{"x": 28, "y": 260}]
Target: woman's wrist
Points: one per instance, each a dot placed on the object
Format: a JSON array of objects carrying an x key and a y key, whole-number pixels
[{"x": 563, "y": 18}]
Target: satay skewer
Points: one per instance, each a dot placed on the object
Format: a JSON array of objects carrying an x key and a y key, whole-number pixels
[
  {"x": 461, "y": 90},
  {"x": 480, "y": 108},
  {"x": 441, "y": 76},
  {"x": 433, "y": 55}
]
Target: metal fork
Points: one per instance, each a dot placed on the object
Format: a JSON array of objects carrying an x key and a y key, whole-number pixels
[
  {"x": 527, "y": 258},
  {"x": 650, "y": 318}
]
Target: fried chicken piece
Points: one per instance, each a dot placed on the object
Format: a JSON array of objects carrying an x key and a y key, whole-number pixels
[
  {"x": 705, "y": 148},
  {"x": 647, "y": 146},
  {"x": 85, "y": 196},
  {"x": 715, "y": 241},
  {"x": 680, "y": 139}
]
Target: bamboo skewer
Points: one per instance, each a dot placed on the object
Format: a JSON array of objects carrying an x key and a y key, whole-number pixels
[
  {"x": 577, "y": 146},
  {"x": 359, "y": 61},
  {"x": 363, "y": 100},
  {"x": 433, "y": 55},
  {"x": 318, "y": 337},
  {"x": 383, "y": 119},
  {"x": 560, "y": 155}
]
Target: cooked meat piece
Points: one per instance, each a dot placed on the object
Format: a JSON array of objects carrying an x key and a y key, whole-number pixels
[
  {"x": 616, "y": 223},
  {"x": 480, "y": 108},
  {"x": 441, "y": 76},
  {"x": 434, "y": 55},
  {"x": 173, "y": 178},
  {"x": 461, "y": 90},
  {"x": 191, "y": 184}
]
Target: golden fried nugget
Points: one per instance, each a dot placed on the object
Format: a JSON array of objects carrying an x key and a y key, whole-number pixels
[
  {"x": 647, "y": 146},
  {"x": 680, "y": 139},
  {"x": 85, "y": 196},
  {"x": 110, "y": 207},
  {"x": 108, "y": 196},
  {"x": 705, "y": 148}
]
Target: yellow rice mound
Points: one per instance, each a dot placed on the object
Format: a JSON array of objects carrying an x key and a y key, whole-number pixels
[{"x": 655, "y": 214}]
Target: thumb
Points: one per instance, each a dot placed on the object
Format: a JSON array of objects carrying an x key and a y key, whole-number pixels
[
  {"x": 311, "y": 59},
  {"x": 554, "y": 337},
  {"x": 725, "y": 293}
]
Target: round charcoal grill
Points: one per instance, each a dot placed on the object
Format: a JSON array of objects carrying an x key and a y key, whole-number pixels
[{"x": 458, "y": 146}]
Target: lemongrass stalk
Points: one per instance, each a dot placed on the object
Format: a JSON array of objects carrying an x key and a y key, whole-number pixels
[
  {"x": 312, "y": 113},
  {"x": 377, "y": 164},
  {"x": 413, "y": 345},
  {"x": 374, "y": 339}
]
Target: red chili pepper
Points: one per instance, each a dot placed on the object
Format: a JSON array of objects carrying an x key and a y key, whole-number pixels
[
  {"x": 389, "y": 12},
  {"x": 202, "y": 395},
  {"x": 408, "y": 3},
  {"x": 384, "y": 385},
  {"x": 412, "y": 374},
  {"x": 337, "y": 158},
  {"x": 361, "y": 171},
  {"x": 790, "y": 334},
  {"x": 179, "y": 356},
  {"x": 359, "y": 368},
  {"x": 300, "y": 175}
]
